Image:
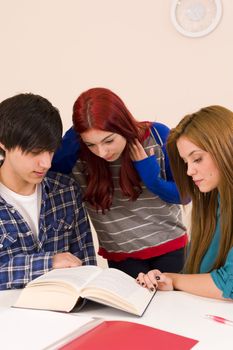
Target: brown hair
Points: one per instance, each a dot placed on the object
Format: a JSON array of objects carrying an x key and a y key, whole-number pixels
[{"x": 211, "y": 129}]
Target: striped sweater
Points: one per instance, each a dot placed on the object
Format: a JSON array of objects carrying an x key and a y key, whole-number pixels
[{"x": 151, "y": 225}]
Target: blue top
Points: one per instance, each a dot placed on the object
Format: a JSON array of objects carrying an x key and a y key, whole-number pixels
[
  {"x": 148, "y": 168},
  {"x": 63, "y": 227},
  {"x": 222, "y": 277},
  {"x": 212, "y": 252}
]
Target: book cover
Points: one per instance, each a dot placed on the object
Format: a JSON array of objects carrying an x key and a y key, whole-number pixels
[{"x": 122, "y": 335}]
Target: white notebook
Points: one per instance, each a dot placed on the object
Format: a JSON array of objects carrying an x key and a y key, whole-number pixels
[{"x": 25, "y": 329}]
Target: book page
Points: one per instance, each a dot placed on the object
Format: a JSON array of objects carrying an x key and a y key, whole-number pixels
[
  {"x": 74, "y": 276},
  {"x": 117, "y": 288},
  {"x": 59, "y": 289}
]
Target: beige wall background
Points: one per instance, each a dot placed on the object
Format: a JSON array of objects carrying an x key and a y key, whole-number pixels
[{"x": 59, "y": 48}]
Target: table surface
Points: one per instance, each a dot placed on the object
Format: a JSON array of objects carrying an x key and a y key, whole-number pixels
[{"x": 176, "y": 312}]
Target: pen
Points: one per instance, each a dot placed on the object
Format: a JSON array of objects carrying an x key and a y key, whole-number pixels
[{"x": 220, "y": 319}]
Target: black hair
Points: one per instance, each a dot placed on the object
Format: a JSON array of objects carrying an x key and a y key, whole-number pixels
[{"x": 30, "y": 122}]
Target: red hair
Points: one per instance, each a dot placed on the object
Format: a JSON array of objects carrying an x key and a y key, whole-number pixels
[{"x": 100, "y": 108}]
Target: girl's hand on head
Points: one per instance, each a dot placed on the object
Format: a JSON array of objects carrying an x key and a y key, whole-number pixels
[
  {"x": 154, "y": 279},
  {"x": 137, "y": 151}
]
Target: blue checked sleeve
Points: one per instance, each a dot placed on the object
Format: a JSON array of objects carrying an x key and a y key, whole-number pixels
[
  {"x": 22, "y": 268},
  {"x": 64, "y": 227}
]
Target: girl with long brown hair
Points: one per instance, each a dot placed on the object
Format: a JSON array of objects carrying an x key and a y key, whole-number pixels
[{"x": 200, "y": 150}]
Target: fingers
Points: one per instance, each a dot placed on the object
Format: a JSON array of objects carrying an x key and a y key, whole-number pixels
[
  {"x": 137, "y": 151},
  {"x": 154, "y": 279},
  {"x": 149, "y": 280},
  {"x": 152, "y": 152},
  {"x": 76, "y": 261},
  {"x": 63, "y": 260}
]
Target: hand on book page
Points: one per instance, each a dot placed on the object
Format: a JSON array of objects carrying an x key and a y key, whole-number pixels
[
  {"x": 121, "y": 335},
  {"x": 62, "y": 289}
]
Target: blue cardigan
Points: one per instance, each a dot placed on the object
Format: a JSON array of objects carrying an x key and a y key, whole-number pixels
[
  {"x": 148, "y": 168},
  {"x": 222, "y": 277}
]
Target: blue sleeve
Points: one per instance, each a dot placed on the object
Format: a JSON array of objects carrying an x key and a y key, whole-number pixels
[
  {"x": 66, "y": 156},
  {"x": 223, "y": 277},
  {"x": 22, "y": 268},
  {"x": 149, "y": 170}
]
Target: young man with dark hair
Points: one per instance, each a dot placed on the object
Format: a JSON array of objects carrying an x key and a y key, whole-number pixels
[{"x": 43, "y": 223}]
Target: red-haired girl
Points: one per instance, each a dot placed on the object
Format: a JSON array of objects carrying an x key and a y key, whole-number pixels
[{"x": 123, "y": 169}]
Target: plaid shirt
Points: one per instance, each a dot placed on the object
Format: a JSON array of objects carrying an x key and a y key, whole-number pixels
[{"x": 63, "y": 227}]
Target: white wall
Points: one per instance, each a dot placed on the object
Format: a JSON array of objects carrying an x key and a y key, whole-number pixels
[{"x": 58, "y": 48}]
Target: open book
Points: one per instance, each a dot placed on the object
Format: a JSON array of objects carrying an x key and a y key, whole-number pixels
[{"x": 62, "y": 289}]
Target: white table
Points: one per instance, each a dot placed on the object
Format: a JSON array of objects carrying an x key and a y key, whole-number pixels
[{"x": 176, "y": 312}]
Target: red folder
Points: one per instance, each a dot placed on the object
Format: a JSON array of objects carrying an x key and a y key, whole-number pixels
[{"x": 121, "y": 335}]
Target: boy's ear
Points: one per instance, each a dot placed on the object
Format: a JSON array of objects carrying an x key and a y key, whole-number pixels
[{"x": 2, "y": 146}]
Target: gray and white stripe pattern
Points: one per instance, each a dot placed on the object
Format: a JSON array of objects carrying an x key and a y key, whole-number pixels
[{"x": 131, "y": 226}]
